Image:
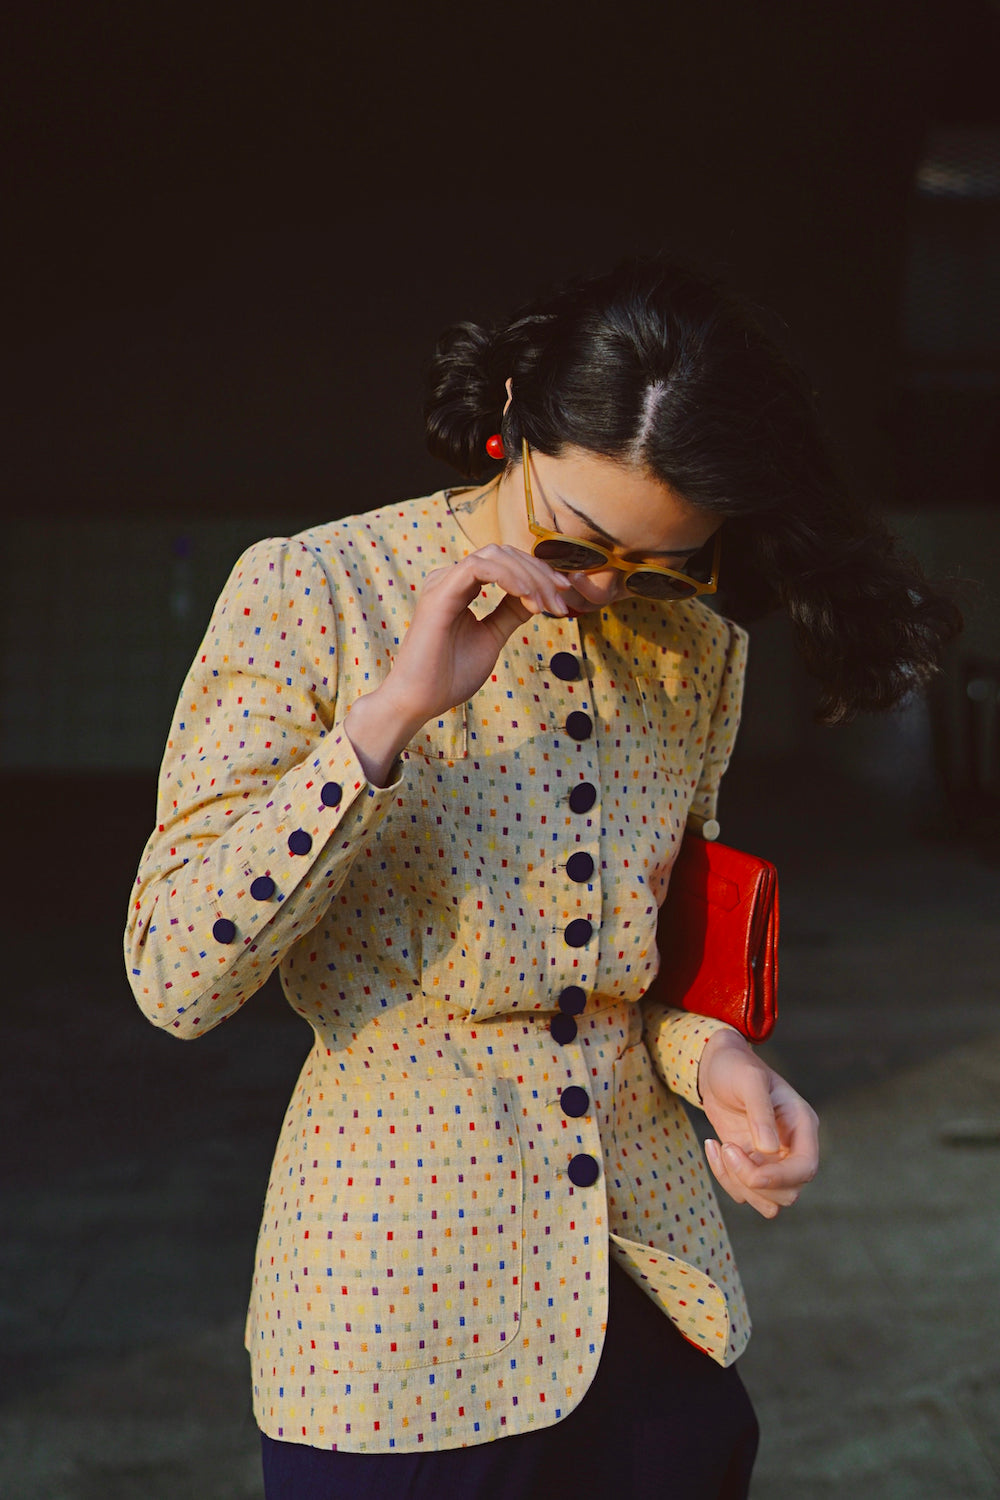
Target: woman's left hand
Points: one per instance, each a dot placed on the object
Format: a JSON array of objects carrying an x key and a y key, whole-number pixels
[{"x": 768, "y": 1146}]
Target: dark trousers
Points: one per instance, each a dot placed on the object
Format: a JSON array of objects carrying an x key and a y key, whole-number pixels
[{"x": 661, "y": 1421}]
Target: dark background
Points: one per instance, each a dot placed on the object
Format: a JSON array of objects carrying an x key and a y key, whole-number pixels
[{"x": 233, "y": 237}]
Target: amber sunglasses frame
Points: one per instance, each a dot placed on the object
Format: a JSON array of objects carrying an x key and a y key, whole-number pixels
[{"x": 609, "y": 560}]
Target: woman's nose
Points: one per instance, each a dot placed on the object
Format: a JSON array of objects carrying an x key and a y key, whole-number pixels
[{"x": 601, "y": 587}]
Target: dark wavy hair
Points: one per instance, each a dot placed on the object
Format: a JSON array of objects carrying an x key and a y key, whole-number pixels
[{"x": 656, "y": 366}]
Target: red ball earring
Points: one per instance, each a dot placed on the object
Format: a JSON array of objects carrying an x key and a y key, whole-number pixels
[{"x": 494, "y": 446}]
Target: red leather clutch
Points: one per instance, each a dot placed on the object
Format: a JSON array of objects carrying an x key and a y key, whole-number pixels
[{"x": 718, "y": 937}]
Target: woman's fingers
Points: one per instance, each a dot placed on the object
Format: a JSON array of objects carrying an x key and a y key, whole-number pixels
[
  {"x": 771, "y": 1134},
  {"x": 766, "y": 1185},
  {"x": 508, "y": 615},
  {"x": 726, "y": 1179},
  {"x": 518, "y": 573},
  {"x": 448, "y": 651},
  {"x": 738, "y": 1190},
  {"x": 756, "y": 1097}
]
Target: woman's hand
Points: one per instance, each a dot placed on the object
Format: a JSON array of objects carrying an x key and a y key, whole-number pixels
[
  {"x": 768, "y": 1146},
  {"x": 447, "y": 653}
]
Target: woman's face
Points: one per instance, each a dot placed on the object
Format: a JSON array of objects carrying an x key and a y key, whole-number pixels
[{"x": 625, "y": 509}]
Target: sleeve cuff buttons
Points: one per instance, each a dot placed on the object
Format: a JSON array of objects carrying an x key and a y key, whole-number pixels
[{"x": 331, "y": 795}]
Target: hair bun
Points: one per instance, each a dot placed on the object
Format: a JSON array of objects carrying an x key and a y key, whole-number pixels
[{"x": 465, "y": 398}]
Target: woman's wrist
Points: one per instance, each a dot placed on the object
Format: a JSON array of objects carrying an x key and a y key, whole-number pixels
[
  {"x": 726, "y": 1038},
  {"x": 378, "y": 727}
]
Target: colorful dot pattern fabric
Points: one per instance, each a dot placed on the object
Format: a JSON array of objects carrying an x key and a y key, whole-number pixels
[{"x": 488, "y": 1112}]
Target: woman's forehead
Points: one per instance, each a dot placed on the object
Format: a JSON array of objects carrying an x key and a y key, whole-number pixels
[{"x": 622, "y": 504}]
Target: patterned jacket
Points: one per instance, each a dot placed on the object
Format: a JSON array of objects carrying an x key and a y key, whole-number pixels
[{"x": 489, "y": 1109}]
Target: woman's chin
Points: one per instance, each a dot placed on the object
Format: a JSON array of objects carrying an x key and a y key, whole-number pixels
[
  {"x": 578, "y": 604},
  {"x": 575, "y": 612}
]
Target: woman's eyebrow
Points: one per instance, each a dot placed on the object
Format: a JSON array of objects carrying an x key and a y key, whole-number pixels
[{"x": 613, "y": 541}]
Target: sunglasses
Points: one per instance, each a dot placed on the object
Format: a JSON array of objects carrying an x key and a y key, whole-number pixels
[{"x": 649, "y": 580}]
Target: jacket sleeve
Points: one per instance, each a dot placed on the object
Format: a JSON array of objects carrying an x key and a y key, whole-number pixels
[
  {"x": 676, "y": 1038},
  {"x": 262, "y": 802},
  {"x": 722, "y": 729}
]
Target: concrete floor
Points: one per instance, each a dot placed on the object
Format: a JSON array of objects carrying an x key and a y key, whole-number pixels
[{"x": 138, "y": 1169}]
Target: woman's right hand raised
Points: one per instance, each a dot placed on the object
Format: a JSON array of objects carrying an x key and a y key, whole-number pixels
[{"x": 447, "y": 653}]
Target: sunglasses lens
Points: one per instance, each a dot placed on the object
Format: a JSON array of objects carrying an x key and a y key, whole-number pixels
[
  {"x": 569, "y": 556},
  {"x": 660, "y": 586}
]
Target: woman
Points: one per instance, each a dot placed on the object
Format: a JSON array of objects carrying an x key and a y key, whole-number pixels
[{"x": 436, "y": 762}]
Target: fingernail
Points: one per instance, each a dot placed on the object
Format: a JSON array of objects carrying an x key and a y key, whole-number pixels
[
  {"x": 767, "y": 1139},
  {"x": 732, "y": 1155}
]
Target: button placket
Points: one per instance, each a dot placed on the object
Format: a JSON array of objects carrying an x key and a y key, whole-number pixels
[{"x": 577, "y": 866}]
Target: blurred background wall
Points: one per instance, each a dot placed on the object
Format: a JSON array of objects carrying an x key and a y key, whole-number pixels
[{"x": 235, "y": 236}]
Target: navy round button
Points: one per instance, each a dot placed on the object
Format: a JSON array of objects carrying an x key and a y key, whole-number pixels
[
  {"x": 562, "y": 1029},
  {"x": 578, "y": 932},
  {"x": 224, "y": 931},
  {"x": 580, "y": 866},
  {"x": 300, "y": 842},
  {"x": 579, "y": 726},
  {"x": 262, "y": 889},
  {"x": 582, "y": 797},
  {"x": 574, "y": 1101},
  {"x": 565, "y": 666},
  {"x": 583, "y": 1170},
  {"x": 572, "y": 1000},
  {"x": 331, "y": 794}
]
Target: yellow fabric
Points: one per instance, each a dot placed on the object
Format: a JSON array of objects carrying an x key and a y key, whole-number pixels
[{"x": 427, "y": 1273}]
